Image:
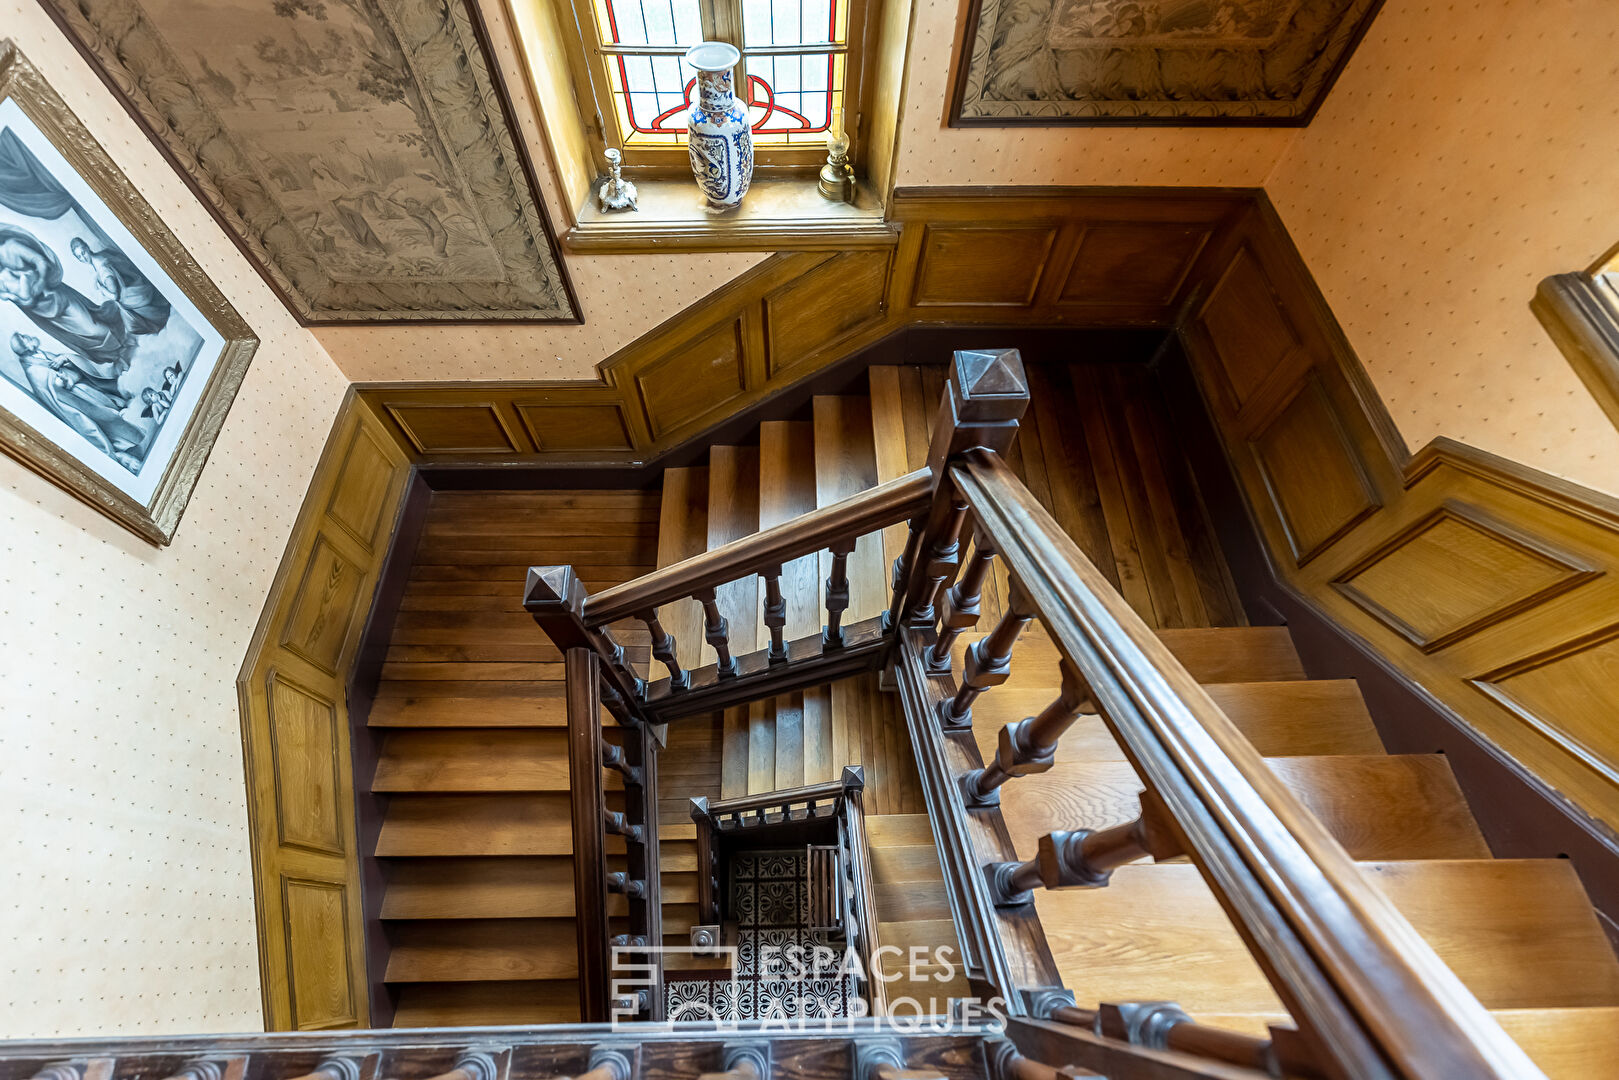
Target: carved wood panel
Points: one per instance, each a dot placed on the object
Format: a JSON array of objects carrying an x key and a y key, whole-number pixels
[
  {"x": 295, "y": 730},
  {"x": 1569, "y": 693},
  {"x": 819, "y": 309},
  {"x": 989, "y": 265},
  {"x": 1456, "y": 571},
  {"x": 469, "y": 427},
  {"x": 694, "y": 381},
  {"x": 1313, "y": 478},
  {"x": 1131, "y": 263},
  {"x": 1252, "y": 337}
]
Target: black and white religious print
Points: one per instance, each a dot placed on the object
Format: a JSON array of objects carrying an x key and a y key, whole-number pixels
[{"x": 100, "y": 351}]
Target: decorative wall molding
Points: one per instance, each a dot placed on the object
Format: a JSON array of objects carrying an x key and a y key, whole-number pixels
[{"x": 360, "y": 152}]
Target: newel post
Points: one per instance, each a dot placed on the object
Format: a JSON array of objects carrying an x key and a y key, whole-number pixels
[
  {"x": 555, "y": 597},
  {"x": 987, "y": 396}
]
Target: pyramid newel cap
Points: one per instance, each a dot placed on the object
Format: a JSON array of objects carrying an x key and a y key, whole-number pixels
[
  {"x": 988, "y": 385},
  {"x": 854, "y": 777},
  {"x": 553, "y": 587}
]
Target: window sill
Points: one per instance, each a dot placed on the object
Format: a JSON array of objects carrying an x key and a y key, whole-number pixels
[{"x": 776, "y": 215}]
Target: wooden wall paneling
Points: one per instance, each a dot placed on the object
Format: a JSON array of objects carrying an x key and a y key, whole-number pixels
[
  {"x": 818, "y": 310},
  {"x": 295, "y": 730},
  {"x": 456, "y": 427},
  {"x": 573, "y": 423},
  {"x": 695, "y": 380},
  {"x": 1490, "y": 587},
  {"x": 1455, "y": 571},
  {"x": 1313, "y": 476},
  {"x": 989, "y": 264}
]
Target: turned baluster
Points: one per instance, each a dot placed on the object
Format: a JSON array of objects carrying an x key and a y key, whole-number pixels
[
  {"x": 609, "y": 1063},
  {"x": 837, "y": 592},
  {"x": 1030, "y": 745},
  {"x": 627, "y": 941},
  {"x": 1083, "y": 859},
  {"x": 775, "y": 617},
  {"x": 943, "y": 555},
  {"x": 989, "y": 661},
  {"x": 902, "y": 573},
  {"x": 742, "y": 1061},
  {"x": 961, "y": 605},
  {"x": 663, "y": 648},
  {"x": 884, "y": 1059},
  {"x": 618, "y": 825},
  {"x": 66, "y": 1070},
  {"x": 471, "y": 1065},
  {"x": 716, "y": 631},
  {"x": 613, "y": 758},
  {"x": 620, "y": 882},
  {"x": 205, "y": 1070},
  {"x": 334, "y": 1069}
]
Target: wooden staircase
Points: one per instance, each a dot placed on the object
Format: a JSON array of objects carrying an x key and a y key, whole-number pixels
[
  {"x": 1520, "y": 934},
  {"x": 471, "y": 778}
]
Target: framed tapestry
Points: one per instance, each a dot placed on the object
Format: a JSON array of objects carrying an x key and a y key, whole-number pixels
[
  {"x": 362, "y": 153},
  {"x": 118, "y": 356},
  {"x": 1233, "y": 62}
]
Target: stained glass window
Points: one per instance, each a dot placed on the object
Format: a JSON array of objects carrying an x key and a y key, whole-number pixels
[{"x": 792, "y": 74}]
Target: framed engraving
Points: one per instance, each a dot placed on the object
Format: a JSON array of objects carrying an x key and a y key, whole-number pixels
[{"x": 119, "y": 358}]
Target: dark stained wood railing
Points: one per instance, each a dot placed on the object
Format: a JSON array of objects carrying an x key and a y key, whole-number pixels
[{"x": 1369, "y": 997}]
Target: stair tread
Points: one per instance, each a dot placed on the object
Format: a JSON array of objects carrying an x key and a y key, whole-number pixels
[
  {"x": 542, "y": 705},
  {"x": 1518, "y": 933},
  {"x": 894, "y": 830},
  {"x": 1223, "y": 654},
  {"x": 911, "y": 862},
  {"x": 475, "y": 888},
  {"x": 682, "y": 533},
  {"x": 476, "y": 825},
  {"x": 478, "y": 950},
  {"x": 1281, "y": 719},
  {"x": 845, "y": 465},
  {"x": 899, "y": 901},
  {"x": 422, "y": 1005},
  {"x": 1380, "y": 807},
  {"x": 1567, "y": 1044},
  {"x": 475, "y": 759},
  {"x": 733, "y": 512}
]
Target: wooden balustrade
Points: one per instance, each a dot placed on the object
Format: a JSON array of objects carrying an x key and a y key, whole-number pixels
[
  {"x": 470, "y": 1065},
  {"x": 775, "y": 613},
  {"x": 1082, "y": 858},
  {"x": 343, "y": 1068},
  {"x": 717, "y": 631},
  {"x": 663, "y": 649},
  {"x": 989, "y": 661},
  {"x": 618, "y": 825},
  {"x": 1371, "y": 997},
  {"x": 837, "y": 592},
  {"x": 742, "y": 1061},
  {"x": 1029, "y": 746},
  {"x": 862, "y": 886},
  {"x": 961, "y": 605}
]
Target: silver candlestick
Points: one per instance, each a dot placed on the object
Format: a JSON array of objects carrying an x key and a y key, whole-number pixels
[{"x": 616, "y": 192}]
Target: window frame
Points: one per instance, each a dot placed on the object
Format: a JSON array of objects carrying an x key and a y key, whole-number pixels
[{"x": 722, "y": 21}]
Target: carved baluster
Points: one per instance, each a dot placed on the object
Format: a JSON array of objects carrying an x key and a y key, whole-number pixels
[
  {"x": 743, "y": 1061},
  {"x": 471, "y": 1065},
  {"x": 627, "y": 941},
  {"x": 837, "y": 592},
  {"x": 332, "y": 1069},
  {"x": 610, "y": 1063},
  {"x": 884, "y": 1059},
  {"x": 716, "y": 631},
  {"x": 65, "y": 1070},
  {"x": 989, "y": 661},
  {"x": 902, "y": 573},
  {"x": 620, "y": 882},
  {"x": 613, "y": 758},
  {"x": 1083, "y": 859},
  {"x": 961, "y": 605},
  {"x": 207, "y": 1070},
  {"x": 1030, "y": 745},
  {"x": 775, "y": 617},
  {"x": 618, "y": 825},
  {"x": 943, "y": 555},
  {"x": 663, "y": 648}
]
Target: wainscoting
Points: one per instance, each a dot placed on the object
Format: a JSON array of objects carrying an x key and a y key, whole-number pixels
[
  {"x": 1489, "y": 585},
  {"x": 295, "y": 730}
]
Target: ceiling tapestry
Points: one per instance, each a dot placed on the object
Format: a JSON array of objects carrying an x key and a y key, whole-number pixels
[
  {"x": 358, "y": 149},
  {"x": 1153, "y": 61}
]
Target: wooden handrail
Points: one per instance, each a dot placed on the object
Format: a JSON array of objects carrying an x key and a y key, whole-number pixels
[
  {"x": 773, "y": 800},
  {"x": 875, "y": 508},
  {"x": 1363, "y": 984}
]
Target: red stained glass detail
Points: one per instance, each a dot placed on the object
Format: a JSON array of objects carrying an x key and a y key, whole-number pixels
[{"x": 791, "y": 122}]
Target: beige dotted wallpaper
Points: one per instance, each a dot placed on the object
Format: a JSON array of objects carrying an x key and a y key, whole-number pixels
[
  {"x": 126, "y": 896},
  {"x": 1463, "y": 156}
]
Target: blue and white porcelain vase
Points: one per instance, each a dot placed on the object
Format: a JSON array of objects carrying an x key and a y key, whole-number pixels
[{"x": 720, "y": 140}]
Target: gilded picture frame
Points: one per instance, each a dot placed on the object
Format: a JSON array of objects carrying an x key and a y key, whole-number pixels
[{"x": 119, "y": 357}]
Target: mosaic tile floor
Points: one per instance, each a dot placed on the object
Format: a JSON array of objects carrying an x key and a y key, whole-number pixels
[{"x": 770, "y": 903}]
